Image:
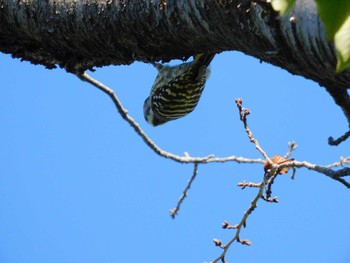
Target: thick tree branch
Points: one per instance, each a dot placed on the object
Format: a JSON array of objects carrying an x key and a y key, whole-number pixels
[
  {"x": 342, "y": 99},
  {"x": 79, "y": 35}
]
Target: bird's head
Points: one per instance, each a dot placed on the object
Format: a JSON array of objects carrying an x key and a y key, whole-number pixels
[{"x": 150, "y": 116}]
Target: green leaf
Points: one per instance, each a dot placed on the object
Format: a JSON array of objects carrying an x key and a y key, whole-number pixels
[
  {"x": 342, "y": 45},
  {"x": 333, "y": 14},
  {"x": 282, "y": 6}
]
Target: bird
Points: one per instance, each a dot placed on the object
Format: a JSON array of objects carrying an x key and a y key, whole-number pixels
[{"x": 177, "y": 89}]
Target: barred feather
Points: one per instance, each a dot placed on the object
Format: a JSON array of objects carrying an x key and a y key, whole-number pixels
[{"x": 177, "y": 90}]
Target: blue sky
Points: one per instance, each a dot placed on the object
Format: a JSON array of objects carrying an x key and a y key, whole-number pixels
[{"x": 77, "y": 184}]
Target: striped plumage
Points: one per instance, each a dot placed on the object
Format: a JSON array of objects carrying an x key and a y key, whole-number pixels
[{"x": 177, "y": 90}]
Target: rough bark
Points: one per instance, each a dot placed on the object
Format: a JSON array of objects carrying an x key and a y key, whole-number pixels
[{"x": 78, "y": 35}]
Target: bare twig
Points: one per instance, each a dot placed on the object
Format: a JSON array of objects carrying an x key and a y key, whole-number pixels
[
  {"x": 243, "y": 113},
  {"x": 210, "y": 159},
  {"x": 174, "y": 212},
  {"x": 343, "y": 161},
  {"x": 268, "y": 179},
  {"x": 293, "y": 173},
  {"x": 181, "y": 159},
  {"x": 270, "y": 199},
  {"x": 245, "y": 184},
  {"x": 241, "y": 224},
  {"x": 291, "y": 147},
  {"x": 336, "y": 142},
  {"x": 277, "y": 168},
  {"x": 336, "y": 175},
  {"x": 274, "y": 168},
  {"x": 270, "y": 182}
]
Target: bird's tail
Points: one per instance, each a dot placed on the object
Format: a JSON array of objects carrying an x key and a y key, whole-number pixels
[{"x": 204, "y": 58}]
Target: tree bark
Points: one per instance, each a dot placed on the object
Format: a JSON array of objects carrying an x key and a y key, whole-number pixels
[{"x": 80, "y": 35}]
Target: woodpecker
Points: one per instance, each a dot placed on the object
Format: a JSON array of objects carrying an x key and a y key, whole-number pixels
[{"x": 176, "y": 90}]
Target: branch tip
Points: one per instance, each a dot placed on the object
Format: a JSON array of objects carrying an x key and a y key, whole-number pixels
[
  {"x": 174, "y": 212},
  {"x": 218, "y": 243},
  {"x": 336, "y": 142}
]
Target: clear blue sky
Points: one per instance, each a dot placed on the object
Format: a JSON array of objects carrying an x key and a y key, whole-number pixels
[{"x": 78, "y": 185}]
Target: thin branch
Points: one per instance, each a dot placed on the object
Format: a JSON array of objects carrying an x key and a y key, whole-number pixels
[
  {"x": 336, "y": 142},
  {"x": 291, "y": 147},
  {"x": 269, "y": 176},
  {"x": 274, "y": 168},
  {"x": 239, "y": 226},
  {"x": 243, "y": 113},
  {"x": 181, "y": 159},
  {"x": 245, "y": 184},
  {"x": 326, "y": 170},
  {"x": 174, "y": 212},
  {"x": 270, "y": 182},
  {"x": 343, "y": 161},
  {"x": 336, "y": 175},
  {"x": 211, "y": 159}
]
